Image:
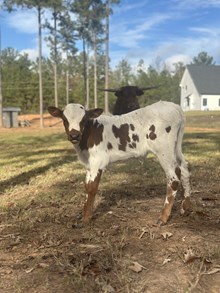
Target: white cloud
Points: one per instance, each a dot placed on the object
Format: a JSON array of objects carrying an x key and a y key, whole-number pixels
[
  {"x": 177, "y": 49},
  {"x": 166, "y": 35},
  {"x": 129, "y": 34},
  {"x": 26, "y": 21},
  {"x": 23, "y": 21},
  {"x": 121, "y": 9},
  {"x": 170, "y": 61},
  {"x": 189, "y": 4},
  {"x": 208, "y": 31},
  {"x": 32, "y": 53}
]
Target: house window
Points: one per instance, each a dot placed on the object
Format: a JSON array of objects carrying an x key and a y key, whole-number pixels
[{"x": 204, "y": 102}]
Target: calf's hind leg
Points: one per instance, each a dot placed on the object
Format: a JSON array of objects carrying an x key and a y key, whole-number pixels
[
  {"x": 185, "y": 180},
  {"x": 91, "y": 189},
  {"x": 173, "y": 174},
  {"x": 172, "y": 187}
]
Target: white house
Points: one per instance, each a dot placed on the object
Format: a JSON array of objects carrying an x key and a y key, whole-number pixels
[{"x": 200, "y": 87}]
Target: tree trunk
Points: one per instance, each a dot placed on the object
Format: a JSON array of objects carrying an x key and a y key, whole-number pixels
[
  {"x": 40, "y": 67},
  {"x": 87, "y": 79},
  {"x": 67, "y": 79},
  {"x": 84, "y": 68},
  {"x": 95, "y": 72},
  {"x": 55, "y": 60},
  {"x": 107, "y": 56},
  {"x": 55, "y": 85}
]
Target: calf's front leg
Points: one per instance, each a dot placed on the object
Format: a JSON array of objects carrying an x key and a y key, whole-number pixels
[{"x": 91, "y": 187}]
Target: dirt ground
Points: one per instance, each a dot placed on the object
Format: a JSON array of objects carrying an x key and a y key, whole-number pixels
[{"x": 122, "y": 250}]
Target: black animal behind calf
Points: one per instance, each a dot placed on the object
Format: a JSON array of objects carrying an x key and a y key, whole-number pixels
[{"x": 127, "y": 98}]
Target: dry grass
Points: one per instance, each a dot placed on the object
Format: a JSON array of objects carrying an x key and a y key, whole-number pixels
[{"x": 203, "y": 119}]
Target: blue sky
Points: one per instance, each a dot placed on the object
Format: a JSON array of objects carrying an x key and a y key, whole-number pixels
[{"x": 157, "y": 31}]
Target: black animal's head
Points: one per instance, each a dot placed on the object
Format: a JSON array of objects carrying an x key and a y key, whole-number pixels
[{"x": 127, "y": 98}]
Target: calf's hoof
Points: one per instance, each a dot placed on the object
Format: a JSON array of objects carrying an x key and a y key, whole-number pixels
[
  {"x": 160, "y": 222},
  {"x": 86, "y": 219},
  {"x": 185, "y": 207}
]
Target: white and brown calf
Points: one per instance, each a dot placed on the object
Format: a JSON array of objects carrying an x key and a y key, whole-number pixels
[{"x": 100, "y": 140}]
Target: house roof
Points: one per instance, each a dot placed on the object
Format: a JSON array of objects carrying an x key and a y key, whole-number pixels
[{"x": 206, "y": 78}]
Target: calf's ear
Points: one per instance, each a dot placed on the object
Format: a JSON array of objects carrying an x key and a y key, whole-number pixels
[
  {"x": 55, "y": 112},
  {"x": 94, "y": 113}
]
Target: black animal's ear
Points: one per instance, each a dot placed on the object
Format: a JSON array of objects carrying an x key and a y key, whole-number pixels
[
  {"x": 94, "y": 113},
  {"x": 118, "y": 93},
  {"x": 55, "y": 112},
  {"x": 139, "y": 92}
]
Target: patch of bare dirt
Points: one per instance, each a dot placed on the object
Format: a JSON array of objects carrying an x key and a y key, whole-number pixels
[
  {"x": 33, "y": 120},
  {"x": 122, "y": 250}
]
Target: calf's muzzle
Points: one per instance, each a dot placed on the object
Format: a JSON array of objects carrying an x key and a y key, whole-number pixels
[{"x": 74, "y": 136}]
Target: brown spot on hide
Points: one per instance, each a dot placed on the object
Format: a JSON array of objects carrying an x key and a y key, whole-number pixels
[
  {"x": 174, "y": 185},
  {"x": 152, "y": 128},
  {"x": 91, "y": 134},
  {"x": 109, "y": 146},
  {"x": 147, "y": 136},
  {"x": 168, "y": 129},
  {"x": 121, "y": 133},
  {"x": 132, "y": 145},
  {"x": 135, "y": 137},
  {"x": 66, "y": 124},
  {"x": 152, "y": 136},
  {"x": 132, "y": 127},
  {"x": 178, "y": 172}
]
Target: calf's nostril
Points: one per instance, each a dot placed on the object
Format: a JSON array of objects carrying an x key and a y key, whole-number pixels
[{"x": 74, "y": 136}]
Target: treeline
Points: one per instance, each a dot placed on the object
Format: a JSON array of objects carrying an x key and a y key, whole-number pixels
[{"x": 20, "y": 86}]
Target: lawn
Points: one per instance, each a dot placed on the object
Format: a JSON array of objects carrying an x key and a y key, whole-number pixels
[
  {"x": 45, "y": 248},
  {"x": 203, "y": 119}
]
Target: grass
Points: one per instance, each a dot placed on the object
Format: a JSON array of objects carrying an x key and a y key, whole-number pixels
[
  {"x": 44, "y": 249},
  {"x": 203, "y": 119}
]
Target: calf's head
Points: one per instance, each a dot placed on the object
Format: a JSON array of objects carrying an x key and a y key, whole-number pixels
[{"x": 74, "y": 118}]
